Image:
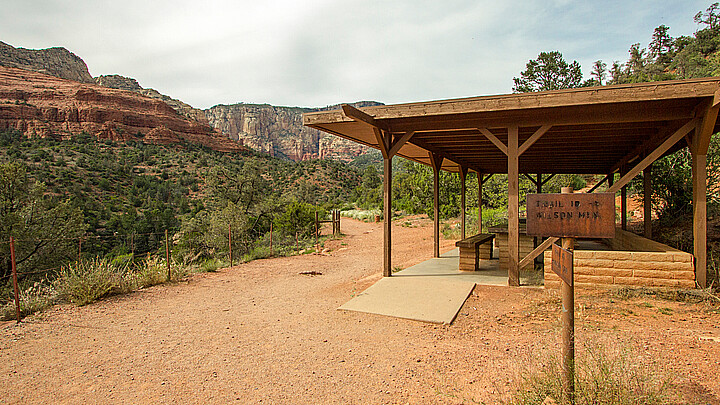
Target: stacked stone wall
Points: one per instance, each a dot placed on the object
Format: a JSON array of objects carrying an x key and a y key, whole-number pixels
[{"x": 663, "y": 266}]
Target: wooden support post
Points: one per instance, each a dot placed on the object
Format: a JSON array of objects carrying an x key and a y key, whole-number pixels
[
  {"x": 513, "y": 208},
  {"x": 568, "y": 325},
  {"x": 387, "y": 217},
  {"x": 230, "y": 243},
  {"x": 271, "y": 239},
  {"x": 699, "y": 170},
  {"x": 623, "y": 204},
  {"x": 15, "y": 278},
  {"x": 480, "y": 201},
  {"x": 463, "y": 174},
  {"x": 647, "y": 203},
  {"x": 167, "y": 254},
  {"x": 436, "y": 165}
]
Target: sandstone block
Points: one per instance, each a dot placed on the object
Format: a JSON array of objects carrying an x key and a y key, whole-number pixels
[{"x": 612, "y": 255}]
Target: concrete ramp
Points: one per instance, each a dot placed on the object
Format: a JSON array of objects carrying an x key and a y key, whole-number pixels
[
  {"x": 431, "y": 291},
  {"x": 418, "y": 298}
]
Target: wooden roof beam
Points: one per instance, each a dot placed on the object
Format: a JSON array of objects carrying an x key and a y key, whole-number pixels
[
  {"x": 533, "y": 138},
  {"x": 448, "y": 156},
  {"x": 701, "y": 140},
  {"x": 398, "y": 143},
  {"x": 360, "y": 116},
  {"x": 654, "y": 155},
  {"x": 494, "y": 139}
]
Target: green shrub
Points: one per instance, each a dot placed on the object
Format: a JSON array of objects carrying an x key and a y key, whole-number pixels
[
  {"x": 151, "y": 271},
  {"x": 33, "y": 298},
  {"x": 601, "y": 377},
  {"x": 362, "y": 215},
  {"x": 87, "y": 281}
]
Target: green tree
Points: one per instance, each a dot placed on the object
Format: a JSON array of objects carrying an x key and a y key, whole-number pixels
[
  {"x": 599, "y": 72},
  {"x": 548, "y": 72},
  {"x": 44, "y": 228},
  {"x": 711, "y": 17}
]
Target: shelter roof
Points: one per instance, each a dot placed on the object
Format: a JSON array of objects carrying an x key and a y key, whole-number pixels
[{"x": 587, "y": 130}]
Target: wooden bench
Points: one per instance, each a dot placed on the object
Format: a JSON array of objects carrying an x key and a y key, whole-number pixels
[{"x": 470, "y": 252}]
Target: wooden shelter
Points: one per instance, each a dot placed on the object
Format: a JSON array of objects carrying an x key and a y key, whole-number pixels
[{"x": 596, "y": 130}]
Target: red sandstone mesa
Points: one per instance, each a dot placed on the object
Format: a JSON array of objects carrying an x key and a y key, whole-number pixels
[{"x": 40, "y": 105}]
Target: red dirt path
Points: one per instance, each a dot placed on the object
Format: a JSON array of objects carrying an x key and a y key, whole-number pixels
[{"x": 262, "y": 333}]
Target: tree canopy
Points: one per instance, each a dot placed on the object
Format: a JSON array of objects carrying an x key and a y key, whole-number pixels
[{"x": 548, "y": 72}]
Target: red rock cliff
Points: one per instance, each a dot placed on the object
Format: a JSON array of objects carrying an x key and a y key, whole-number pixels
[{"x": 41, "y": 105}]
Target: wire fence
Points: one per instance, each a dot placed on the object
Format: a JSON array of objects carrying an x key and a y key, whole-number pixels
[{"x": 272, "y": 241}]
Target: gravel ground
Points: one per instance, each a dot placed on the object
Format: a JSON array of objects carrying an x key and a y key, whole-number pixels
[{"x": 261, "y": 332}]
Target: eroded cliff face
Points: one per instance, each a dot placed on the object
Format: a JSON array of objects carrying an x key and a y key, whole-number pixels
[
  {"x": 279, "y": 131},
  {"x": 58, "y": 62},
  {"x": 41, "y": 105}
]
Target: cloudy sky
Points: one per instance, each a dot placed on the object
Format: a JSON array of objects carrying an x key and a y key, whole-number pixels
[{"x": 322, "y": 52}]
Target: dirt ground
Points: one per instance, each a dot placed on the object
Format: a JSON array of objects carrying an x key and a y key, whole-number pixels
[{"x": 261, "y": 332}]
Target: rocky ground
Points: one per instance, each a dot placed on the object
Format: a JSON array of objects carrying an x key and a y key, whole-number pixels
[{"x": 261, "y": 332}]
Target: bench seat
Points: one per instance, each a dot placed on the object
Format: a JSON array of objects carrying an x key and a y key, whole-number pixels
[{"x": 471, "y": 252}]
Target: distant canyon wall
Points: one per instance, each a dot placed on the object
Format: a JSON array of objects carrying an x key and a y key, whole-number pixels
[{"x": 277, "y": 131}]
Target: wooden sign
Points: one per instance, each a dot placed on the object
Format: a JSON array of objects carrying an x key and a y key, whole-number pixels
[
  {"x": 576, "y": 215},
  {"x": 562, "y": 263}
]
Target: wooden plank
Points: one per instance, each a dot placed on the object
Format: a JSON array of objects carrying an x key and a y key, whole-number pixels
[
  {"x": 537, "y": 251},
  {"x": 494, "y": 139},
  {"x": 595, "y": 187},
  {"x": 654, "y": 155},
  {"x": 657, "y": 92},
  {"x": 398, "y": 143},
  {"x": 581, "y": 215},
  {"x": 699, "y": 168},
  {"x": 513, "y": 207},
  {"x": 533, "y": 138},
  {"x": 360, "y": 116}
]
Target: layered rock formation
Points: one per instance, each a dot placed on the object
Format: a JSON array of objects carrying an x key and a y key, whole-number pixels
[
  {"x": 42, "y": 105},
  {"x": 58, "y": 62},
  {"x": 279, "y": 131}
]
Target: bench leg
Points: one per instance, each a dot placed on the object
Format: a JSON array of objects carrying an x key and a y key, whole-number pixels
[{"x": 477, "y": 257}]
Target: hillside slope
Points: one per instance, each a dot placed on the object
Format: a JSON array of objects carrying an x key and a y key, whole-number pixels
[{"x": 41, "y": 105}]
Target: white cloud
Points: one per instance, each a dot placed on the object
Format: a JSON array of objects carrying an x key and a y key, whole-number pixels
[{"x": 314, "y": 53}]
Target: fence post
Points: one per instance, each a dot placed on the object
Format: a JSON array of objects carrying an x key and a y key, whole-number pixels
[
  {"x": 297, "y": 244},
  {"x": 230, "y": 243},
  {"x": 167, "y": 254},
  {"x": 317, "y": 243},
  {"x": 337, "y": 218},
  {"x": 271, "y": 238},
  {"x": 15, "y": 280}
]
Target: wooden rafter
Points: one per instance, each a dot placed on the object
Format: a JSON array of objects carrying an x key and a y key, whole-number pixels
[
  {"x": 533, "y": 138},
  {"x": 398, "y": 143},
  {"x": 494, "y": 139},
  {"x": 654, "y": 155}
]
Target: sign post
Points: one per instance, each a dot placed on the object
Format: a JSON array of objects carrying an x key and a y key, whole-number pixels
[{"x": 569, "y": 216}]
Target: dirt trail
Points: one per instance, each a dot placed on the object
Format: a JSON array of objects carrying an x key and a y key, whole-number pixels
[{"x": 262, "y": 333}]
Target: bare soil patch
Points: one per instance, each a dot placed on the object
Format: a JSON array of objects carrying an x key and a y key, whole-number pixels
[{"x": 262, "y": 332}]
